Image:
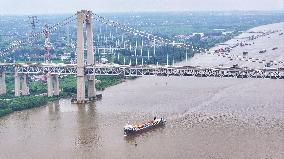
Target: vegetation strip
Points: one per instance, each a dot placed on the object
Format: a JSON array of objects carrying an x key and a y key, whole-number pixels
[{"x": 37, "y": 98}]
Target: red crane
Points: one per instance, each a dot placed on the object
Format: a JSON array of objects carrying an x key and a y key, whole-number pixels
[{"x": 47, "y": 44}]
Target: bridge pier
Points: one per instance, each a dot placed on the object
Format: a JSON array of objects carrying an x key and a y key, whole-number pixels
[
  {"x": 3, "y": 87},
  {"x": 24, "y": 83},
  {"x": 17, "y": 89},
  {"x": 80, "y": 57},
  {"x": 52, "y": 85},
  {"x": 21, "y": 85},
  {"x": 56, "y": 85},
  {"x": 91, "y": 86},
  {"x": 49, "y": 85}
]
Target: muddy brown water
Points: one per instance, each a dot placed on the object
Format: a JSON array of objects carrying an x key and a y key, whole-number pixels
[{"x": 207, "y": 118}]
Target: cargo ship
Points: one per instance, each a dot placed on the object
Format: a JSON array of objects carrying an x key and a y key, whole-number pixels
[{"x": 139, "y": 128}]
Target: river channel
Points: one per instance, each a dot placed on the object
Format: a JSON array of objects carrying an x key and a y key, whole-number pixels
[{"x": 207, "y": 118}]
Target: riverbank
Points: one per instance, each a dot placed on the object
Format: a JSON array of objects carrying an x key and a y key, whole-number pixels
[
  {"x": 251, "y": 42},
  {"x": 8, "y": 106},
  {"x": 9, "y": 103}
]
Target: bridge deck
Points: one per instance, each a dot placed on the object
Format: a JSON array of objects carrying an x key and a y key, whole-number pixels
[{"x": 136, "y": 71}]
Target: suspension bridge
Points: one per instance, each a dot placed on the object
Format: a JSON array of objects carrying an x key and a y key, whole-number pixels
[{"x": 85, "y": 69}]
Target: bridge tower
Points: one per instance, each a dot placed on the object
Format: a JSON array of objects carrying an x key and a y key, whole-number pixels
[
  {"x": 87, "y": 17},
  {"x": 90, "y": 54}
]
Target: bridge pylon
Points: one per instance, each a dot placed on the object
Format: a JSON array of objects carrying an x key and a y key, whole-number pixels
[
  {"x": 84, "y": 16},
  {"x": 90, "y": 54}
]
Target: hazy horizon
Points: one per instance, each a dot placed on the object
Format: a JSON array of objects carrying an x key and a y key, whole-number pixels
[
  {"x": 19, "y": 7},
  {"x": 148, "y": 12}
]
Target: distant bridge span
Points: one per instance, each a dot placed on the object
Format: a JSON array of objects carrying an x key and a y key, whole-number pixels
[{"x": 137, "y": 71}]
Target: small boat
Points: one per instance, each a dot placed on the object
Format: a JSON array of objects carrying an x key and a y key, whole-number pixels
[
  {"x": 262, "y": 51},
  {"x": 134, "y": 129}
]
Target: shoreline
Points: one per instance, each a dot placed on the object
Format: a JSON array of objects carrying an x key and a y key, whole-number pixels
[
  {"x": 7, "y": 109},
  {"x": 265, "y": 37}
]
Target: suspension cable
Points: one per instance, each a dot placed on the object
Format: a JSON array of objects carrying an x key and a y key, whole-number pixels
[
  {"x": 138, "y": 32},
  {"x": 167, "y": 41},
  {"x": 19, "y": 43}
]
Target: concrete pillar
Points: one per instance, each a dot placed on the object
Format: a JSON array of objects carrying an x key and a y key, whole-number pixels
[
  {"x": 56, "y": 85},
  {"x": 17, "y": 84},
  {"x": 25, "y": 87},
  {"x": 80, "y": 58},
  {"x": 90, "y": 54},
  {"x": 3, "y": 88},
  {"x": 49, "y": 86},
  {"x": 91, "y": 86},
  {"x": 90, "y": 46}
]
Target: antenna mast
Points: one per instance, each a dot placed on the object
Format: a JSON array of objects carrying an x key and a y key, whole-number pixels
[
  {"x": 47, "y": 44},
  {"x": 33, "y": 21}
]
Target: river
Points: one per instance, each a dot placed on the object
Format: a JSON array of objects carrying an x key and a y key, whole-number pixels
[{"x": 203, "y": 122}]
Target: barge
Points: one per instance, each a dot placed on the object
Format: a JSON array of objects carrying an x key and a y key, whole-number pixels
[{"x": 139, "y": 128}]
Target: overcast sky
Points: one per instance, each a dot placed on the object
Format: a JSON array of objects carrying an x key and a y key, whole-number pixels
[{"x": 71, "y": 6}]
